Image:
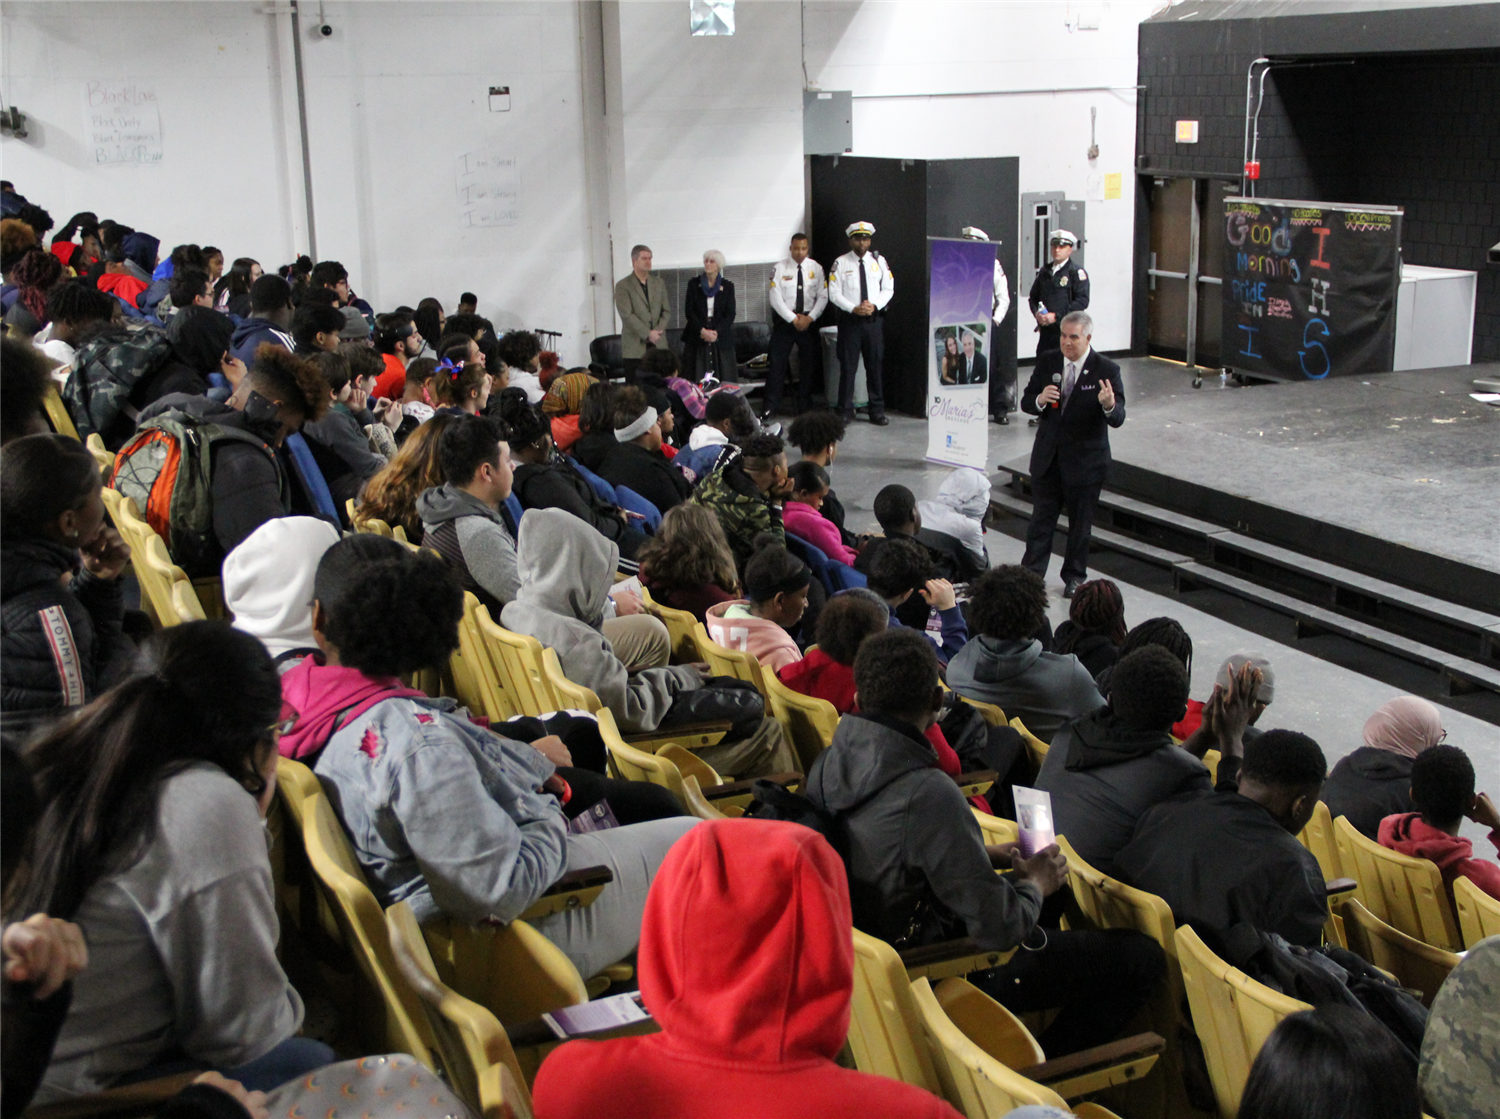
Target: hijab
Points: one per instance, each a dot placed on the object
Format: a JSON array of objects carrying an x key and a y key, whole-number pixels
[{"x": 1405, "y": 725}]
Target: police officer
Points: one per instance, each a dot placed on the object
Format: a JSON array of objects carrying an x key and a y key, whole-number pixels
[
  {"x": 798, "y": 296},
  {"x": 860, "y": 285},
  {"x": 1002, "y": 393},
  {"x": 1058, "y": 290}
]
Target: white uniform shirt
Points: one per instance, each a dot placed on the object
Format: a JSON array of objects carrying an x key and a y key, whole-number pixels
[
  {"x": 1001, "y": 306},
  {"x": 783, "y": 295},
  {"x": 843, "y": 280}
]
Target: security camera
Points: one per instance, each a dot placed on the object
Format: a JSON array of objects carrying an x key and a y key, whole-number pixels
[{"x": 325, "y": 30}]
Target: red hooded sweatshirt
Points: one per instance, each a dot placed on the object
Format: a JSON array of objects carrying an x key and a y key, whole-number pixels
[
  {"x": 747, "y": 964},
  {"x": 1408, "y": 834}
]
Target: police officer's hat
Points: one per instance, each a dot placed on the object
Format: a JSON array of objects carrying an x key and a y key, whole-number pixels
[
  {"x": 974, "y": 233},
  {"x": 860, "y": 227},
  {"x": 1062, "y": 237}
]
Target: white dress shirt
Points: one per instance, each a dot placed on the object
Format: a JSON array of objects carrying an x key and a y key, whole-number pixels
[
  {"x": 843, "y": 280},
  {"x": 783, "y": 297}
]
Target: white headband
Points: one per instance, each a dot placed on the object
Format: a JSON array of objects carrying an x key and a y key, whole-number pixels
[{"x": 642, "y": 425}]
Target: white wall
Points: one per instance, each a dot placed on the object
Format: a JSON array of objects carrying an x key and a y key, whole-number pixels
[{"x": 910, "y": 47}]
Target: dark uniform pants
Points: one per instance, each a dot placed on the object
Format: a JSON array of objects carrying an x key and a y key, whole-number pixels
[
  {"x": 861, "y": 335},
  {"x": 1049, "y": 497},
  {"x": 1049, "y": 337},
  {"x": 809, "y": 362}
]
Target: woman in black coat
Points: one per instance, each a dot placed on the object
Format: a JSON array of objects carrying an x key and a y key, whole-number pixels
[{"x": 708, "y": 337}]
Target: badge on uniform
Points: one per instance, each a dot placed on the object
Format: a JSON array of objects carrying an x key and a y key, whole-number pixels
[
  {"x": 1082, "y": 275},
  {"x": 1062, "y": 281}
]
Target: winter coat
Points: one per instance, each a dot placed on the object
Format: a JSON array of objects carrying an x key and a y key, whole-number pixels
[
  {"x": 809, "y": 524},
  {"x": 566, "y": 569},
  {"x": 1103, "y": 776},
  {"x": 1044, "y": 690},
  {"x": 918, "y": 870},
  {"x": 1367, "y": 786},
  {"x": 750, "y": 987},
  {"x": 61, "y": 645},
  {"x": 475, "y": 541},
  {"x": 556, "y": 485},
  {"x": 1454, "y": 856},
  {"x": 648, "y": 473},
  {"x": 1095, "y": 650},
  {"x": 743, "y": 511}
]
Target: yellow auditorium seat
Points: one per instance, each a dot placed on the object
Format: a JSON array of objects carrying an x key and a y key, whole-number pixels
[
  {"x": 1417, "y": 966},
  {"x": 1478, "y": 913},
  {"x": 1404, "y": 892}
]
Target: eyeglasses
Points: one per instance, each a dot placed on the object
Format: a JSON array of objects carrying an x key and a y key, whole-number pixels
[{"x": 286, "y": 722}]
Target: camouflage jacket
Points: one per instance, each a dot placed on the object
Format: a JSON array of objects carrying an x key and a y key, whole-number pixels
[
  {"x": 742, "y": 509},
  {"x": 1460, "y": 1069}
]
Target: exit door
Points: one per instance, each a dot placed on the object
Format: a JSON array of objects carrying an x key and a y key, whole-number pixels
[{"x": 1184, "y": 272}]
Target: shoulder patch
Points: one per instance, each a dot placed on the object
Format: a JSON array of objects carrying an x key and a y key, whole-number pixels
[{"x": 1082, "y": 275}]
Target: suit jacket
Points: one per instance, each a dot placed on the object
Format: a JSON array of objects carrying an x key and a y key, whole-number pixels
[
  {"x": 1076, "y": 436},
  {"x": 979, "y": 375},
  {"x": 695, "y": 314},
  {"x": 640, "y": 312}
]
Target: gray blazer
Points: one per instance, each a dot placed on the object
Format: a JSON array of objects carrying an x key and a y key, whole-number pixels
[{"x": 640, "y": 312}]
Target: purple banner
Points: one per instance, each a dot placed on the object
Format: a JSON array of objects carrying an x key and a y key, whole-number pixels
[
  {"x": 962, "y": 282},
  {"x": 960, "y": 295}
]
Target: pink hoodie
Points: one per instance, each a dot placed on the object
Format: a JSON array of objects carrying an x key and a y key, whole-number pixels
[
  {"x": 802, "y": 520},
  {"x": 321, "y": 694},
  {"x": 1410, "y": 835},
  {"x": 766, "y": 641}
]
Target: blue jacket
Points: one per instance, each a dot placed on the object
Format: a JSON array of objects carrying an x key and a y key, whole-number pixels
[{"x": 251, "y": 333}]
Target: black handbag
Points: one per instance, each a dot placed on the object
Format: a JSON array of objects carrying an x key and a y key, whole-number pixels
[{"x": 721, "y": 699}]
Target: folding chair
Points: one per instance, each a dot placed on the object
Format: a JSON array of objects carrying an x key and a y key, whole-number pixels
[
  {"x": 101, "y": 455},
  {"x": 1035, "y": 747},
  {"x": 679, "y": 625},
  {"x": 993, "y": 715},
  {"x": 57, "y": 412},
  {"x": 686, "y": 776},
  {"x": 1405, "y": 892},
  {"x": 728, "y": 662},
  {"x": 1478, "y": 913},
  {"x": 1416, "y": 965},
  {"x": 1211, "y": 760},
  {"x": 185, "y": 603},
  {"x": 1232, "y": 1016},
  {"x": 807, "y": 721},
  {"x": 494, "y": 700},
  {"x": 1318, "y": 837},
  {"x": 157, "y": 575},
  {"x": 478, "y": 1061}
]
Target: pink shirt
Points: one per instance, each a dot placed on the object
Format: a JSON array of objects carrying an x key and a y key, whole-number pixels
[{"x": 806, "y": 522}]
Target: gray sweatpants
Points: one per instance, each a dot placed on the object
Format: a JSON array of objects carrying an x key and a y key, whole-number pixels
[{"x": 609, "y": 930}]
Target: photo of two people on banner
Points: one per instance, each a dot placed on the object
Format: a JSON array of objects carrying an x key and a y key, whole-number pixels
[{"x": 960, "y": 353}]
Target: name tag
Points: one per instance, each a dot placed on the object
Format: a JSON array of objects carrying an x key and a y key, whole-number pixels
[{"x": 786, "y": 279}]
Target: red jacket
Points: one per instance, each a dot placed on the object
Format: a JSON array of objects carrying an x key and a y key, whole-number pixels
[
  {"x": 392, "y": 383},
  {"x": 1408, "y": 834},
  {"x": 747, "y": 964},
  {"x": 122, "y": 285}
]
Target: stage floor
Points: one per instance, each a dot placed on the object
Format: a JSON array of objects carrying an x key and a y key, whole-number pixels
[{"x": 1406, "y": 457}]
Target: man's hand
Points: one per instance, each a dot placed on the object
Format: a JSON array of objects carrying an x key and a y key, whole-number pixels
[
  {"x": 627, "y": 603},
  {"x": 1234, "y": 714},
  {"x": 45, "y": 951},
  {"x": 654, "y": 336},
  {"x": 1484, "y": 812},
  {"x": 388, "y": 412},
  {"x": 233, "y": 369},
  {"x": 801, "y": 322},
  {"x": 554, "y": 750},
  {"x": 1107, "y": 396},
  {"x": 253, "y": 1102},
  {"x": 1049, "y": 395},
  {"x": 1047, "y": 870},
  {"x": 106, "y": 555},
  {"x": 939, "y": 594},
  {"x": 1002, "y": 855},
  {"x": 865, "y": 308}
]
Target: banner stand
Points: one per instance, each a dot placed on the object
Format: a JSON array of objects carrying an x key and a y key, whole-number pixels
[{"x": 959, "y": 334}]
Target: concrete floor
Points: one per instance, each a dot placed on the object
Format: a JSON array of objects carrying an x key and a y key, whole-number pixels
[{"x": 1314, "y": 696}]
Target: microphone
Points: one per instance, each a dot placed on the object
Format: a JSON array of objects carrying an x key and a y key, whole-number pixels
[{"x": 1056, "y": 380}]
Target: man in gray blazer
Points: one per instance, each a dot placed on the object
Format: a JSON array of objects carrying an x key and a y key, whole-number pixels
[{"x": 641, "y": 300}]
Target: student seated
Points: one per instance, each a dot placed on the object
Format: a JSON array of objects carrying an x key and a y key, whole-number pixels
[
  {"x": 545, "y": 479},
  {"x": 62, "y": 641},
  {"x": 461, "y": 518},
  {"x": 902, "y": 575},
  {"x": 268, "y": 584},
  {"x": 391, "y": 496},
  {"x": 1232, "y": 858},
  {"x": 442, "y": 813},
  {"x": 564, "y": 400},
  {"x": 1005, "y": 665},
  {"x": 1334, "y": 1062},
  {"x": 1374, "y": 781},
  {"x": 803, "y": 515},
  {"x": 896, "y": 511},
  {"x": 1095, "y": 628},
  {"x": 818, "y": 434},
  {"x": 776, "y": 585},
  {"x": 636, "y": 459},
  {"x": 746, "y": 494},
  {"x": 920, "y": 873},
  {"x": 725, "y": 417},
  {"x": 954, "y": 523},
  {"x": 747, "y": 965},
  {"x": 248, "y": 484},
  {"x": 1442, "y": 791},
  {"x": 1106, "y": 768},
  {"x": 594, "y": 425},
  {"x": 152, "y": 839},
  {"x": 521, "y": 352},
  {"x": 565, "y": 570},
  {"x": 687, "y": 565},
  {"x": 270, "y": 319},
  {"x": 338, "y": 440},
  {"x": 1169, "y": 634}
]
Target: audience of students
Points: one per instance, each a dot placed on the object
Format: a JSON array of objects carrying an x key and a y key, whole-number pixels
[
  {"x": 817, "y": 435},
  {"x": 1443, "y": 796},
  {"x": 1095, "y": 628},
  {"x": 802, "y": 514},
  {"x": 775, "y": 599},
  {"x": 1374, "y": 781},
  {"x": 746, "y": 494},
  {"x": 687, "y": 565},
  {"x": 954, "y": 523},
  {"x": 636, "y": 460}
]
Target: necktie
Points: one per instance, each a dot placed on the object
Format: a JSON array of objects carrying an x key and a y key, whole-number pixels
[
  {"x": 798, "y": 308},
  {"x": 864, "y": 284},
  {"x": 1068, "y": 379}
]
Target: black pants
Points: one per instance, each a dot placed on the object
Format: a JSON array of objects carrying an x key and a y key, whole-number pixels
[
  {"x": 1049, "y": 338},
  {"x": 861, "y": 336},
  {"x": 1049, "y": 497},
  {"x": 1100, "y": 979},
  {"x": 809, "y": 362},
  {"x": 632, "y": 802}
]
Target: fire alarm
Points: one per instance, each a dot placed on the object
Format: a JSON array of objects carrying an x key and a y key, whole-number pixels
[{"x": 1252, "y": 169}]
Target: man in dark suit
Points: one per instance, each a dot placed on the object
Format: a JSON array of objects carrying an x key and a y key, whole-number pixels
[
  {"x": 974, "y": 368},
  {"x": 1078, "y": 396}
]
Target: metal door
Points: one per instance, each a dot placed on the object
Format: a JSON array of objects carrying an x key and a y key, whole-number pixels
[
  {"x": 1041, "y": 213},
  {"x": 1184, "y": 276}
]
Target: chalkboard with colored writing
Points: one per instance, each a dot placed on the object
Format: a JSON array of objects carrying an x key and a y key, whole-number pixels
[{"x": 1309, "y": 288}]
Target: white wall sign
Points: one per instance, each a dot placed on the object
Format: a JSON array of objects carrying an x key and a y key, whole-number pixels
[
  {"x": 121, "y": 122},
  {"x": 489, "y": 189}
]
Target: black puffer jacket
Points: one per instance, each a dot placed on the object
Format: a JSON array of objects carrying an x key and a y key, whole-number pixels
[{"x": 59, "y": 646}]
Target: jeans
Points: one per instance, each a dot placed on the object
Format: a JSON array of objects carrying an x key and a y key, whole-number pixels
[
  {"x": 1100, "y": 979},
  {"x": 294, "y": 1057}
]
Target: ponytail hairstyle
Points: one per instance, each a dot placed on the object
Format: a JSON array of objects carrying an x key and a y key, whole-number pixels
[
  {"x": 1098, "y": 608},
  {"x": 457, "y": 378},
  {"x": 524, "y": 425},
  {"x": 201, "y": 692},
  {"x": 773, "y": 570}
]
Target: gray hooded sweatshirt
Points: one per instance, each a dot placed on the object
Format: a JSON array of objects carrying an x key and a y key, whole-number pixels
[
  {"x": 566, "y": 569},
  {"x": 472, "y": 538},
  {"x": 1045, "y": 690},
  {"x": 917, "y": 862}
]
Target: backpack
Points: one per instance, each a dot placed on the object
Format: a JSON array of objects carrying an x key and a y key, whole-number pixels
[
  {"x": 105, "y": 373},
  {"x": 167, "y": 470}
]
